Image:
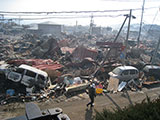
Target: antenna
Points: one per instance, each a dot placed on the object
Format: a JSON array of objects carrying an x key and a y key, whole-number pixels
[
  {"x": 91, "y": 25},
  {"x": 76, "y": 26}
]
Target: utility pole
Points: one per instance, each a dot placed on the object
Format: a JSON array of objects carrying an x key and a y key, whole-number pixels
[
  {"x": 101, "y": 65},
  {"x": 19, "y": 20},
  {"x": 155, "y": 52},
  {"x": 91, "y": 25},
  {"x": 115, "y": 39},
  {"x": 126, "y": 41},
  {"x": 140, "y": 28}
]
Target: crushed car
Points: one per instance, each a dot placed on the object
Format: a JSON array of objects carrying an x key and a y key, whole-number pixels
[
  {"x": 152, "y": 72},
  {"x": 29, "y": 77}
]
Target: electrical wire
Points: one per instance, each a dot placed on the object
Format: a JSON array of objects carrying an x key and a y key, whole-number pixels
[
  {"x": 153, "y": 21},
  {"x": 72, "y": 17},
  {"x": 62, "y": 14},
  {"x": 54, "y": 12}
]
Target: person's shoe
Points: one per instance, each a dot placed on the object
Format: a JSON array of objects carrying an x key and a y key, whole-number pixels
[
  {"x": 87, "y": 105},
  {"x": 92, "y": 105}
]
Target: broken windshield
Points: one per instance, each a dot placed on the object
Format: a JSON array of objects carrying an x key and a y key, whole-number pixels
[{"x": 117, "y": 71}]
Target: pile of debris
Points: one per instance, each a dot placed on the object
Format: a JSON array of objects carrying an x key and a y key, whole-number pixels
[{"x": 38, "y": 67}]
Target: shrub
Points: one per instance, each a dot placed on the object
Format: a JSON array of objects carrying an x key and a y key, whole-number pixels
[{"x": 149, "y": 110}]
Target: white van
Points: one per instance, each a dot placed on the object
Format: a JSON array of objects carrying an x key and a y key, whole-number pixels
[
  {"x": 29, "y": 76},
  {"x": 125, "y": 73}
]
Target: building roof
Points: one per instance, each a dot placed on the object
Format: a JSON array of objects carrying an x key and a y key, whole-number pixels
[
  {"x": 127, "y": 67},
  {"x": 49, "y": 24}
]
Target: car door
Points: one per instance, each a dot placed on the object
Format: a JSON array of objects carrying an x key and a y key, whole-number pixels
[
  {"x": 133, "y": 74},
  {"x": 41, "y": 81},
  {"x": 125, "y": 75},
  {"x": 28, "y": 78}
]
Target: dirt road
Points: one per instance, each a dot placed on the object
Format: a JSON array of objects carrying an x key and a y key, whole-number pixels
[{"x": 75, "y": 107}]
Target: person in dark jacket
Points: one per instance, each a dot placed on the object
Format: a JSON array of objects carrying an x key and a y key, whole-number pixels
[{"x": 92, "y": 94}]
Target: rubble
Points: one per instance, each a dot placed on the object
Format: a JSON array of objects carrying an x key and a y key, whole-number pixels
[
  {"x": 81, "y": 52},
  {"x": 70, "y": 63}
]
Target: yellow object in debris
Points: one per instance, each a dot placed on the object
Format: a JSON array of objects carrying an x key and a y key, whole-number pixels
[{"x": 99, "y": 90}]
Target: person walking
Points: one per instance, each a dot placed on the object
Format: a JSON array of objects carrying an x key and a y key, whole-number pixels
[{"x": 92, "y": 94}]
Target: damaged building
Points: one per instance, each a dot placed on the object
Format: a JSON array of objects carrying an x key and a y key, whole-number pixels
[{"x": 53, "y": 29}]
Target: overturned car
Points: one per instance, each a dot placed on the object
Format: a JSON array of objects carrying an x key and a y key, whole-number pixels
[{"x": 28, "y": 77}]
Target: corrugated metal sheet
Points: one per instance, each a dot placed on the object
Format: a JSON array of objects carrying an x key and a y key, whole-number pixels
[
  {"x": 31, "y": 61},
  {"x": 82, "y": 52},
  {"x": 41, "y": 64},
  {"x": 49, "y": 67}
]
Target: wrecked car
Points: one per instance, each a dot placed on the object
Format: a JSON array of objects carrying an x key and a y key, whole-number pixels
[
  {"x": 29, "y": 76},
  {"x": 125, "y": 73},
  {"x": 152, "y": 71}
]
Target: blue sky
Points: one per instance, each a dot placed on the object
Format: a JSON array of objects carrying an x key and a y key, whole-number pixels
[{"x": 84, "y": 5}]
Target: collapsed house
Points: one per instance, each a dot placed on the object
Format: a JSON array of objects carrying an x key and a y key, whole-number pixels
[
  {"x": 48, "y": 49},
  {"x": 81, "y": 52}
]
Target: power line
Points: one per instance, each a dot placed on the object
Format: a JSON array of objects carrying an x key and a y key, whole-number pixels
[
  {"x": 153, "y": 21},
  {"x": 54, "y": 12},
  {"x": 67, "y": 17}
]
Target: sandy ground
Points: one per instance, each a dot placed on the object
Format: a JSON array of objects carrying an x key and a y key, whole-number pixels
[{"x": 75, "y": 107}]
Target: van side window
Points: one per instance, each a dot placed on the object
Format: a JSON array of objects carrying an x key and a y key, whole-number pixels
[
  {"x": 41, "y": 77},
  {"x": 20, "y": 70},
  {"x": 136, "y": 71},
  {"x": 126, "y": 72},
  {"x": 30, "y": 73},
  {"x": 132, "y": 72}
]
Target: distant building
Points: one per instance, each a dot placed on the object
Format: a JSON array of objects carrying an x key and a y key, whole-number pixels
[
  {"x": 50, "y": 29},
  {"x": 106, "y": 30},
  {"x": 96, "y": 30}
]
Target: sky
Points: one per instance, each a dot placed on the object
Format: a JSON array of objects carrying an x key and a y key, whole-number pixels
[{"x": 151, "y": 16}]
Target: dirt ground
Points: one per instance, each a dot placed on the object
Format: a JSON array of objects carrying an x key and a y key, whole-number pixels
[{"x": 75, "y": 107}]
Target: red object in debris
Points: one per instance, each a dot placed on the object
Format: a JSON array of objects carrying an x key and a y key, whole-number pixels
[
  {"x": 41, "y": 64},
  {"x": 30, "y": 61},
  {"x": 122, "y": 48},
  {"x": 81, "y": 52},
  {"x": 99, "y": 86},
  {"x": 48, "y": 67}
]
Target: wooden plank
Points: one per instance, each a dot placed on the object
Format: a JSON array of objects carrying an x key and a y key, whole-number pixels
[
  {"x": 113, "y": 84},
  {"x": 77, "y": 87},
  {"x": 151, "y": 82}
]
